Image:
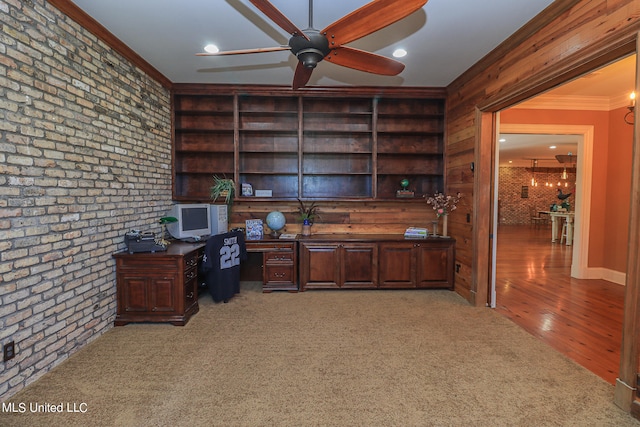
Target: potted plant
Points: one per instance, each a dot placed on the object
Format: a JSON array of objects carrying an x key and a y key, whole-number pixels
[
  {"x": 307, "y": 215},
  {"x": 225, "y": 188}
]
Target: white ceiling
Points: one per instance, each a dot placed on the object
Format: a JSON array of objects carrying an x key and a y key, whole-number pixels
[{"x": 443, "y": 39}]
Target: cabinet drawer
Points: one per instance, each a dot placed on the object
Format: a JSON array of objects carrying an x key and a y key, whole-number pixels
[
  {"x": 190, "y": 293},
  {"x": 191, "y": 261},
  {"x": 190, "y": 274},
  {"x": 285, "y": 256},
  {"x": 278, "y": 274}
]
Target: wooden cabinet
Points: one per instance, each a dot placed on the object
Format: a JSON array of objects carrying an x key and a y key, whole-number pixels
[
  {"x": 419, "y": 264},
  {"x": 329, "y": 144},
  {"x": 279, "y": 263},
  {"x": 158, "y": 286},
  {"x": 326, "y": 265},
  {"x": 374, "y": 261}
]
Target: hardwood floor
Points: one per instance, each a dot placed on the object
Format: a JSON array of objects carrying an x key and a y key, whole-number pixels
[{"x": 580, "y": 318}]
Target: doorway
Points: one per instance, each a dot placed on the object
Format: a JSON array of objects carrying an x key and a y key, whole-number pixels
[{"x": 551, "y": 290}]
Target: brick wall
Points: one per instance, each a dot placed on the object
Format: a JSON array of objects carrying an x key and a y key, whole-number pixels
[
  {"x": 85, "y": 155},
  {"x": 513, "y": 208}
]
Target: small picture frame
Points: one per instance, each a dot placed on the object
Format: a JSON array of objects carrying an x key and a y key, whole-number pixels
[
  {"x": 247, "y": 189},
  {"x": 254, "y": 229}
]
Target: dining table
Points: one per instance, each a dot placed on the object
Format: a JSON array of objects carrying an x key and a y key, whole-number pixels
[{"x": 557, "y": 217}]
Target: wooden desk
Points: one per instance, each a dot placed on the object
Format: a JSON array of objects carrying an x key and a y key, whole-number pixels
[
  {"x": 555, "y": 225},
  {"x": 279, "y": 263},
  {"x": 158, "y": 286}
]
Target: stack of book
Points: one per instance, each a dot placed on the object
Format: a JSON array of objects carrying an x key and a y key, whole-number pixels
[{"x": 415, "y": 233}]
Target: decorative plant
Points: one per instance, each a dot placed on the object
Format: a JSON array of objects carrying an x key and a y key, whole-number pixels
[
  {"x": 223, "y": 187},
  {"x": 307, "y": 213},
  {"x": 443, "y": 204}
]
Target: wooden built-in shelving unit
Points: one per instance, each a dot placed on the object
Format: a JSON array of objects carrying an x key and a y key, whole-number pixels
[{"x": 320, "y": 144}]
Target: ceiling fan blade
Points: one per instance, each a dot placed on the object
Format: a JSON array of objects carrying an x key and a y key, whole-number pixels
[
  {"x": 243, "y": 51},
  {"x": 369, "y": 18},
  {"x": 364, "y": 61},
  {"x": 302, "y": 76},
  {"x": 277, "y": 17}
]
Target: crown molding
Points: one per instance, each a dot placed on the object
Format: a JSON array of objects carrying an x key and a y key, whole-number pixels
[
  {"x": 590, "y": 103},
  {"x": 72, "y": 11}
]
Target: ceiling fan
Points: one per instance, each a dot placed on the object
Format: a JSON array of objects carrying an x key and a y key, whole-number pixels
[{"x": 311, "y": 46}]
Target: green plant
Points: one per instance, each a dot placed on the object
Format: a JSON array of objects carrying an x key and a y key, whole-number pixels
[
  {"x": 307, "y": 213},
  {"x": 223, "y": 187}
]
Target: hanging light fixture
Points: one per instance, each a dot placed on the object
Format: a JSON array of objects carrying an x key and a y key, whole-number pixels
[{"x": 534, "y": 163}]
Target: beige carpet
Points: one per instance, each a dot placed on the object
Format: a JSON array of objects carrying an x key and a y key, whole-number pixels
[{"x": 324, "y": 358}]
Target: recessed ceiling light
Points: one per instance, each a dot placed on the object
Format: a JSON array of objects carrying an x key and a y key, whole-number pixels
[
  {"x": 399, "y": 53},
  {"x": 211, "y": 48},
  {"x": 552, "y": 147},
  {"x": 502, "y": 140}
]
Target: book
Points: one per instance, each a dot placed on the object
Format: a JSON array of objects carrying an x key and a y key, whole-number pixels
[
  {"x": 416, "y": 233},
  {"x": 254, "y": 229},
  {"x": 288, "y": 236}
]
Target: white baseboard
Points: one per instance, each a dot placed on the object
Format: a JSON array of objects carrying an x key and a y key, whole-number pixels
[{"x": 617, "y": 277}]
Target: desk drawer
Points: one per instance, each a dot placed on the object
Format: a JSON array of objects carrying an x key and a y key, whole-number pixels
[
  {"x": 190, "y": 293},
  {"x": 190, "y": 274},
  {"x": 284, "y": 256},
  {"x": 278, "y": 274},
  {"x": 191, "y": 261},
  {"x": 270, "y": 246}
]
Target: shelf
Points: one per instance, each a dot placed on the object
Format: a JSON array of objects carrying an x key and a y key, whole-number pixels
[
  {"x": 279, "y": 104},
  {"x": 210, "y": 103},
  {"x": 343, "y": 106},
  {"x": 310, "y": 147},
  {"x": 268, "y": 144},
  {"x": 203, "y": 162}
]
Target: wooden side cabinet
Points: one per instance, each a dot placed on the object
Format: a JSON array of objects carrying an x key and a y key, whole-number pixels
[
  {"x": 158, "y": 286},
  {"x": 333, "y": 265},
  {"x": 375, "y": 261},
  {"x": 417, "y": 264}
]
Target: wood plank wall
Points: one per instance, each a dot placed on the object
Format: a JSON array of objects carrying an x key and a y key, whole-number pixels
[
  {"x": 566, "y": 40},
  {"x": 342, "y": 217}
]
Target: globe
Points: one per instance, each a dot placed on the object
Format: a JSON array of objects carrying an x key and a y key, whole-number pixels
[
  {"x": 275, "y": 222},
  {"x": 404, "y": 184}
]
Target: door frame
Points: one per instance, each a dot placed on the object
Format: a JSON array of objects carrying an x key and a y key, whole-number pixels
[
  {"x": 625, "y": 395},
  {"x": 580, "y": 257}
]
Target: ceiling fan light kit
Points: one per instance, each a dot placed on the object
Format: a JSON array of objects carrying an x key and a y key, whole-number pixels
[
  {"x": 311, "y": 51},
  {"x": 312, "y": 46}
]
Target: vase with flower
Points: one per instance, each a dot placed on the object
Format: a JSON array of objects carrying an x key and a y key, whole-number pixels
[
  {"x": 307, "y": 215},
  {"x": 443, "y": 204}
]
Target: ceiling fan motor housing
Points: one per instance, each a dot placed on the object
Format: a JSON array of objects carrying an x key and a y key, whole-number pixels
[{"x": 312, "y": 51}]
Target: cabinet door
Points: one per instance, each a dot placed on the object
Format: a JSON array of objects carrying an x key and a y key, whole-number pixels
[
  {"x": 397, "y": 265},
  {"x": 162, "y": 293},
  {"x": 320, "y": 266},
  {"x": 434, "y": 266},
  {"x": 133, "y": 294},
  {"x": 359, "y": 265}
]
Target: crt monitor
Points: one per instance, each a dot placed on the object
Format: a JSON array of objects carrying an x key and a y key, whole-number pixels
[{"x": 194, "y": 220}]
